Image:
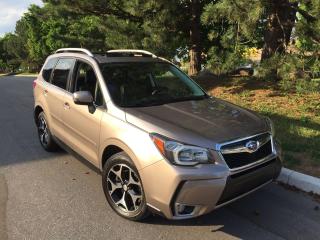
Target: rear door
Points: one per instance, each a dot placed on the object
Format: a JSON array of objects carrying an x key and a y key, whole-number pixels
[
  {"x": 82, "y": 123},
  {"x": 55, "y": 93}
]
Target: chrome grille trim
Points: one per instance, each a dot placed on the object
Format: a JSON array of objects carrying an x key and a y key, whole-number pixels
[
  {"x": 220, "y": 145},
  {"x": 251, "y": 165},
  {"x": 243, "y": 148}
]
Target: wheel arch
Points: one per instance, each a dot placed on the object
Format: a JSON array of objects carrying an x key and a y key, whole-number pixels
[
  {"x": 113, "y": 146},
  {"x": 37, "y": 110}
]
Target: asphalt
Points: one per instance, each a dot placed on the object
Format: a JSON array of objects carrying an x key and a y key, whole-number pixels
[{"x": 57, "y": 196}]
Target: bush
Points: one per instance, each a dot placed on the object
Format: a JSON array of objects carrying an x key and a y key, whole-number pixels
[
  {"x": 223, "y": 62},
  {"x": 293, "y": 72}
]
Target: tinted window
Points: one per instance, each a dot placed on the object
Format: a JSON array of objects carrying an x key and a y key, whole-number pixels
[
  {"x": 47, "y": 69},
  {"x": 85, "y": 80},
  {"x": 146, "y": 84},
  {"x": 61, "y": 72}
]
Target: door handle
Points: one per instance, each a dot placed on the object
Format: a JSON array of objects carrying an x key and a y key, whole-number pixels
[
  {"x": 66, "y": 105},
  {"x": 45, "y": 92}
]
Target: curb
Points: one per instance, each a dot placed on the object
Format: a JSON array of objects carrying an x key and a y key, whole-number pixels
[
  {"x": 301, "y": 181},
  {"x": 25, "y": 75}
]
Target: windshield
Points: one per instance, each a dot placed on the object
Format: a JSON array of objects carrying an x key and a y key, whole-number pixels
[{"x": 146, "y": 84}]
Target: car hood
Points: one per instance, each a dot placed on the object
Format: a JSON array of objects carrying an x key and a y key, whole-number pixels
[{"x": 203, "y": 122}]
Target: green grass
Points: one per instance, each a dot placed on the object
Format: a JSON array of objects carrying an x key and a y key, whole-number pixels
[{"x": 296, "y": 117}]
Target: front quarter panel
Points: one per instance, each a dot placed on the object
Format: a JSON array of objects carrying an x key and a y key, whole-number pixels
[{"x": 134, "y": 141}]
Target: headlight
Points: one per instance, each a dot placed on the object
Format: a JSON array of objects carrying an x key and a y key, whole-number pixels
[
  {"x": 181, "y": 154},
  {"x": 270, "y": 124}
]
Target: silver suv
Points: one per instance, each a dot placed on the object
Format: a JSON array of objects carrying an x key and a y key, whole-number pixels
[{"x": 163, "y": 145}]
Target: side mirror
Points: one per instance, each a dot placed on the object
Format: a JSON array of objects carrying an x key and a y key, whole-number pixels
[{"x": 83, "y": 98}]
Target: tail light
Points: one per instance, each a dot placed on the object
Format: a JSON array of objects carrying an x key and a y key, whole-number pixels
[{"x": 34, "y": 83}]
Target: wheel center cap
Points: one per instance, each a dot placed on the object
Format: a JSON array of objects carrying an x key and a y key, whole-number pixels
[{"x": 125, "y": 187}]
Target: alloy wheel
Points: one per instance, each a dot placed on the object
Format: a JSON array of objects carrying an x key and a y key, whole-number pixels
[
  {"x": 43, "y": 131},
  {"x": 124, "y": 188}
]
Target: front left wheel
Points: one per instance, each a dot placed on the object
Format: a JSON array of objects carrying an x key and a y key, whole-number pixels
[{"x": 123, "y": 188}]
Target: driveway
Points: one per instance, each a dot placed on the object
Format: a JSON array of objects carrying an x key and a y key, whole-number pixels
[{"x": 56, "y": 196}]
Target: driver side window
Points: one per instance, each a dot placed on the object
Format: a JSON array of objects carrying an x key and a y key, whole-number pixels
[{"x": 85, "y": 79}]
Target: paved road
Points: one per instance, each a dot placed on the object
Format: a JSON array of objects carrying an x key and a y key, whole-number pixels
[{"x": 56, "y": 196}]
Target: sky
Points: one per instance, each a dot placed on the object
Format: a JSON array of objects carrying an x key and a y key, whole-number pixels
[{"x": 11, "y": 11}]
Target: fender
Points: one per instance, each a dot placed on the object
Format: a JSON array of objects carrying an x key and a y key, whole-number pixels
[{"x": 116, "y": 142}]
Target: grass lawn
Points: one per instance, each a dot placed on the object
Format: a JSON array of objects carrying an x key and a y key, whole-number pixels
[{"x": 296, "y": 116}]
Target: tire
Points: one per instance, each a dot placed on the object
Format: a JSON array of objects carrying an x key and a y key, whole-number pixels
[
  {"x": 123, "y": 188},
  {"x": 44, "y": 134}
]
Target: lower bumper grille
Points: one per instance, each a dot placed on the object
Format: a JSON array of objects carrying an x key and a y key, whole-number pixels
[{"x": 240, "y": 184}]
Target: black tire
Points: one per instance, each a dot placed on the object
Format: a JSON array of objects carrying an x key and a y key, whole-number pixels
[
  {"x": 45, "y": 137},
  {"x": 128, "y": 188}
]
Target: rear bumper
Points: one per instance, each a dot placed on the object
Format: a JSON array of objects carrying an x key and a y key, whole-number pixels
[{"x": 183, "y": 196}]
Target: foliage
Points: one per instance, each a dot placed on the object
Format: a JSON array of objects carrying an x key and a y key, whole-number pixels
[
  {"x": 234, "y": 27},
  {"x": 157, "y": 26},
  {"x": 295, "y": 72},
  {"x": 226, "y": 34}
]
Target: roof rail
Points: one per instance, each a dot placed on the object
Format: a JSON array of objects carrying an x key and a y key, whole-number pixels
[
  {"x": 133, "y": 51},
  {"x": 75, "y": 50}
]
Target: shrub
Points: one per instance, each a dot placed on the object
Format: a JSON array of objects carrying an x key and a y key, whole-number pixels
[{"x": 293, "y": 72}]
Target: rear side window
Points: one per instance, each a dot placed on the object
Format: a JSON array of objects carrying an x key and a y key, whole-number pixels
[
  {"x": 47, "y": 69},
  {"x": 61, "y": 72}
]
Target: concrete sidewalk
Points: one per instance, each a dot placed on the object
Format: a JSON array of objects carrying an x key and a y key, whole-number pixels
[{"x": 3, "y": 206}]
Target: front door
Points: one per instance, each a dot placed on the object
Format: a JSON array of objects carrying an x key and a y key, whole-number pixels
[{"x": 82, "y": 123}]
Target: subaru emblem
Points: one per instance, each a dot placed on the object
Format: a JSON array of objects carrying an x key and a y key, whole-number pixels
[{"x": 252, "y": 146}]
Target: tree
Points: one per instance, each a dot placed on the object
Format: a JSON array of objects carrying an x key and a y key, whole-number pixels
[
  {"x": 211, "y": 33},
  {"x": 164, "y": 27},
  {"x": 234, "y": 26},
  {"x": 280, "y": 22},
  {"x": 3, "y": 56},
  {"x": 195, "y": 41},
  {"x": 10, "y": 50},
  {"x": 46, "y": 30}
]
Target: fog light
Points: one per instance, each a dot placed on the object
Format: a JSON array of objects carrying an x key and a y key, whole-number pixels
[{"x": 182, "y": 209}]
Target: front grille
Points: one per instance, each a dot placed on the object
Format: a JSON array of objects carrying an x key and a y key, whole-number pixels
[{"x": 239, "y": 159}]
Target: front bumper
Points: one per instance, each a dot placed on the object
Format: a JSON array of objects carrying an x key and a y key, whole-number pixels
[{"x": 182, "y": 192}]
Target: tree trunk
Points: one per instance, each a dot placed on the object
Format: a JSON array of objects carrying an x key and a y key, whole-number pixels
[
  {"x": 281, "y": 20},
  {"x": 195, "y": 39}
]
